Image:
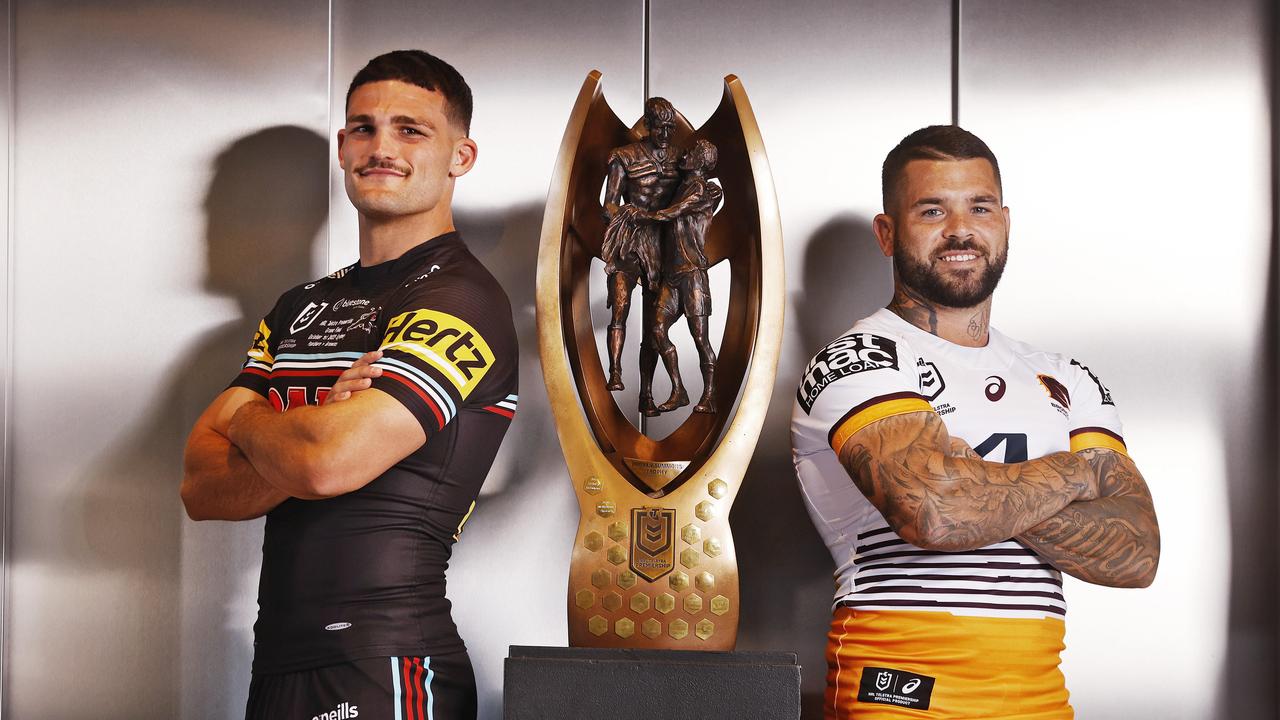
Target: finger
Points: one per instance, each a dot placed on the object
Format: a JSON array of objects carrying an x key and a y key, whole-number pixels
[
  {"x": 335, "y": 396},
  {"x": 350, "y": 386},
  {"x": 367, "y": 359}
]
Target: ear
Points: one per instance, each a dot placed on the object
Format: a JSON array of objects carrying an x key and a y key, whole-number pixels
[
  {"x": 883, "y": 226},
  {"x": 464, "y": 157},
  {"x": 342, "y": 137},
  {"x": 1005, "y": 210}
]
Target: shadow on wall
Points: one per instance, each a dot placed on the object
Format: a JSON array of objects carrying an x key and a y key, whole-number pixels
[
  {"x": 1248, "y": 687},
  {"x": 529, "y": 471},
  {"x": 188, "y": 644},
  {"x": 785, "y": 569}
]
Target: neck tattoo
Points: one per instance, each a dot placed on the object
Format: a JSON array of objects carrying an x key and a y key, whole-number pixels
[
  {"x": 978, "y": 325},
  {"x": 913, "y": 308}
]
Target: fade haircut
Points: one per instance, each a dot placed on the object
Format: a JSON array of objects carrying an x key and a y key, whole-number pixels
[
  {"x": 427, "y": 71},
  {"x": 936, "y": 142}
]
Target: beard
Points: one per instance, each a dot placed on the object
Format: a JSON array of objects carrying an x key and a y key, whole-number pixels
[{"x": 950, "y": 290}]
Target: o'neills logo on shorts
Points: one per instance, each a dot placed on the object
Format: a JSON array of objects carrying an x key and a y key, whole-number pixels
[
  {"x": 345, "y": 711},
  {"x": 853, "y": 353}
]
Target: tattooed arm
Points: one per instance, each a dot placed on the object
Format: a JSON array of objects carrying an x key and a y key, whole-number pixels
[
  {"x": 1113, "y": 540},
  {"x": 939, "y": 498}
]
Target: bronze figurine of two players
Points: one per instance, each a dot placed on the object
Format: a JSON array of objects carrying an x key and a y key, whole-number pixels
[{"x": 658, "y": 202}]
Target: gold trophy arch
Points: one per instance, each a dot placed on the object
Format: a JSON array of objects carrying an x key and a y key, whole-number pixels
[{"x": 653, "y": 562}]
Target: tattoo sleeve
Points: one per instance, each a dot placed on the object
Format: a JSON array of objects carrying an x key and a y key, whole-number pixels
[
  {"x": 937, "y": 499},
  {"x": 1113, "y": 540}
]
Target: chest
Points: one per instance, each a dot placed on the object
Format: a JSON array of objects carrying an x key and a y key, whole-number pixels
[
  {"x": 320, "y": 337},
  {"x": 1009, "y": 413}
]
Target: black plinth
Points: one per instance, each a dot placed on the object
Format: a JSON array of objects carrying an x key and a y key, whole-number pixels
[{"x": 547, "y": 683}]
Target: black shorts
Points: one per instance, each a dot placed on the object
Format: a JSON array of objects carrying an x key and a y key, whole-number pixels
[{"x": 441, "y": 687}]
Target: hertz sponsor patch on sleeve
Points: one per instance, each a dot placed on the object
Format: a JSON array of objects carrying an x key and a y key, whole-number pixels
[
  {"x": 853, "y": 353},
  {"x": 444, "y": 342}
]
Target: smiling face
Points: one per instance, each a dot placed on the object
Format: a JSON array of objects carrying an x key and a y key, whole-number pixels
[
  {"x": 947, "y": 232},
  {"x": 399, "y": 153}
]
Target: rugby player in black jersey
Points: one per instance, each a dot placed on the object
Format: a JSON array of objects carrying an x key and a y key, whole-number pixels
[{"x": 364, "y": 421}]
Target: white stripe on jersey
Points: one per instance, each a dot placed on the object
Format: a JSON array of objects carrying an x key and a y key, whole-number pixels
[
  {"x": 432, "y": 357},
  {"x": 424, "y": 381}
]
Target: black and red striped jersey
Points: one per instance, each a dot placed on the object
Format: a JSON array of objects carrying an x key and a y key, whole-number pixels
[{"x": 363, "y": 574}]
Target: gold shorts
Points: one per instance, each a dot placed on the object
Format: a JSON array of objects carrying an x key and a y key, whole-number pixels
[{"x": 891, "y": 665}]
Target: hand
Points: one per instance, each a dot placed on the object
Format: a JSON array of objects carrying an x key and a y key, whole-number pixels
[{"x": 355, "y": 378}]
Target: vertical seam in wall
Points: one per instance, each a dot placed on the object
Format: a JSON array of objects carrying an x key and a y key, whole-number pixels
[
  {"x": 6, "y": 419},
  {"x": 328, "y": 132},
  {"x": 644, "y": 52},
  {"x": 955, "y": 62}
]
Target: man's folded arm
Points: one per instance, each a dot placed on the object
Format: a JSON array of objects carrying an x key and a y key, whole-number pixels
[
  {"x": 939, "y": 497},
  {"x": 218, "y": 483},
  {"x": 316, "y": 452},
  {"x": 1113, "y": 540}
]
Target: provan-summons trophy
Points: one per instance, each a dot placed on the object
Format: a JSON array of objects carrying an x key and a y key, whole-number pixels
[{"x": 653, "y": 562}]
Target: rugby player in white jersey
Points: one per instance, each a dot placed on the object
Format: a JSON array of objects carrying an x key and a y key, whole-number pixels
[{"x": 954, "y": 473}]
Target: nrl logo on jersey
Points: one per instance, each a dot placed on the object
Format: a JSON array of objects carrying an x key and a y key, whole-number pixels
[
  {"x": 931, "y": 382},
  {"x": 307, "y": 316},
  {"x": 853, "y": 353}
]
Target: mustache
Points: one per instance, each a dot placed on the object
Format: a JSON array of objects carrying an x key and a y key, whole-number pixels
[{"x": 382, "y": 164}]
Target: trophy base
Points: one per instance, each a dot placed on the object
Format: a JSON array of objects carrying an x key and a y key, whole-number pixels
[{"x": 553, "y": 683}]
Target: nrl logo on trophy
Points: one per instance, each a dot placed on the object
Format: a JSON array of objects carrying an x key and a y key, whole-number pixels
[{"x": 658, "y": 217}]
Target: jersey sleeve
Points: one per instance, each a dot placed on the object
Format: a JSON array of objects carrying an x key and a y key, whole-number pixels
[
  {"x": 449, "y": 344},
  {"x": 259, "y": 359},
  {"x": 1095, "y": 423},
  {"x": 856, "y": 380}
]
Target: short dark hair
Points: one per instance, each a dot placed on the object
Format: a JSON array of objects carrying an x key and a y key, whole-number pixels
[
  {"x": 425, "y": 70},
  {"x": 657, "y": 108},
  {"x": 936, "y": 142}
]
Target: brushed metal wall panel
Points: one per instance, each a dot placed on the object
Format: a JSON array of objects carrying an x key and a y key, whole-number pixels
[
  {"x": 169, "y": 177},
  {"x": 1134, "y": 142},
  {"x": 6, "y": 345},
  {"x": 834, "y": 86},
  {"x": 525, "y": 63}
]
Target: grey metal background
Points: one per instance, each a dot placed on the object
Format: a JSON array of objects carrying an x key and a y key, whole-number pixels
[{"x": 173, "y": 171}]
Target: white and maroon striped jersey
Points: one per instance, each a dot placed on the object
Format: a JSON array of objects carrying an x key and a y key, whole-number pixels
[{"x": 1009, "y": 401}]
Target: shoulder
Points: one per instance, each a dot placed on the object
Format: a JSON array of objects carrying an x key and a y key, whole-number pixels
[
  {"x": 627, "y": 154},
  {"x": 870, "y": 349},
  {"x": 458, "y": 291},
  {"x": 1073, "y": 374},
  {"x": 298, "y": 295}
]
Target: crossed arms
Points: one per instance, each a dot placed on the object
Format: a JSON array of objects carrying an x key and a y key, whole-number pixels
[
  {"x": 1088, "y": 514},
  {"x": 243, "y": 458}
]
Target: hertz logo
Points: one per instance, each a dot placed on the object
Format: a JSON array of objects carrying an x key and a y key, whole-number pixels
[{"x": 444, "y": 342}]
